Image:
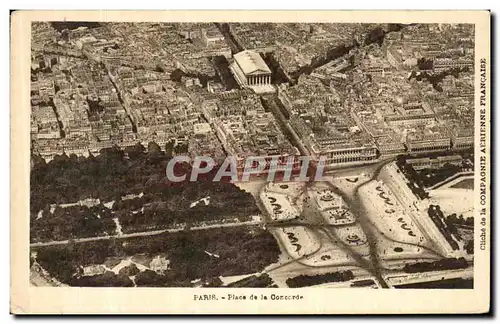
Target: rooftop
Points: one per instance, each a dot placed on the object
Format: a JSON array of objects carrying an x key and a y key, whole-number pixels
[{"x": 250, "y": 62}]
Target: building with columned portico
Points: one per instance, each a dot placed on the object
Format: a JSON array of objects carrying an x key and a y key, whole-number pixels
[{"x": 250, "y": 70}]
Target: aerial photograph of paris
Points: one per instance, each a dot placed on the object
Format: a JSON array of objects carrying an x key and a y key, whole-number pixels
[{"x": 256, "y": 155}]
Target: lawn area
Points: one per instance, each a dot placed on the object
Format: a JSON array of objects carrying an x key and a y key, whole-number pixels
[{"x": 464, "y": 184}]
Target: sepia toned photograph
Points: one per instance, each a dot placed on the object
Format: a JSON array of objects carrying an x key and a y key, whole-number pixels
[{"x": 256, "y": 154}]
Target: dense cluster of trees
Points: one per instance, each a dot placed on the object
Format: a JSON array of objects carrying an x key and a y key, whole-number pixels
[
  {"x": 460, "y": 220},
  {"x": 130, "y": 270},
  {"x": 164, "y": 209},
  {"x": 240, "y": 250},
  {"x": 71, "y": 222},
  {"x": 160, "y": 215},
  {"x": 107, "y": 279},
  {"x": 306, "y": 280},
  {"x": 431, "y": 177},
  {"x": 110, "y": 175},
  {"x": 63, "y": 262},
  {"x": 444, "y": 264},
  {"x": 149, "y": 278},
  {"x": 116, "y": 173},
  {"x": 254, "y": 281},
  {"x": 453, "y": 222},
  {"x": 62, "y": 25}
]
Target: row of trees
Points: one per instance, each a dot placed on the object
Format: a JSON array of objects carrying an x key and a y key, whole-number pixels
[
  {"x": 254, "y": 281},
  {"x": 159, "y": 216},
  {"x": 444, "y": 264},
  {"x": 306, "y": 280},
  {"x": 416, "y": 184},
  {"x": 437, "y": 217},
  {"x": 456, "y": 283}
]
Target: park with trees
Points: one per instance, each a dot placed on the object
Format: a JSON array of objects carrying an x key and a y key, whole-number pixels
[
  {"x": 232, "y": 251},
  {"x": 112, "y": 175}
]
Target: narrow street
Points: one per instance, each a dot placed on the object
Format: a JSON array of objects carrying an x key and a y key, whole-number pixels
[{"x": 121, "y": 99}]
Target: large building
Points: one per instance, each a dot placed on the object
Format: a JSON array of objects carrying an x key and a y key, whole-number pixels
[
  {"x": 420, "y": 143},
  {"x": 250, "y": 70},
  {"x": 441, "y": 64},
  {"x": 463, "y": 138},
  {"x": 434, "y": 163},
  {"x": 342, "y": 152}
]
